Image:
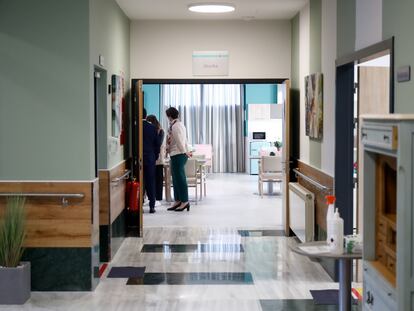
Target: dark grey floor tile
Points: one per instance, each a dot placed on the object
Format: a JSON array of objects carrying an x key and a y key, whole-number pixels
[
  {"x": 126, "y": 272},
  {"x": 191, "y": 248},
  {"x": 299, "y": 305},
  {"x": 259, "y": 233},
  {"x": 194, "y": 278}
]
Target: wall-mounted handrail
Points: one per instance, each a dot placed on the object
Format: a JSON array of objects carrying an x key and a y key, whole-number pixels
[
  {"x": 32, "y": 194},
  {"x": 122, "y": 177},
  {"x": 64, "y": 196},
  {"x": 313, "y": 182}
]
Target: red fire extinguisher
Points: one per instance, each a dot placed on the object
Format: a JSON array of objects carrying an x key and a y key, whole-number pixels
[{"x": 133, "y": 191}]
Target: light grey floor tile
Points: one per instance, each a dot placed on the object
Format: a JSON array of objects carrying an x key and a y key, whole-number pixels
[{"x": 277, "y": 272}]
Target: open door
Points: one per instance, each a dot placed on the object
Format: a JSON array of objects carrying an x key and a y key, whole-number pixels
[
  {"x": 286, "y": 157},
  {"x": 137, "y": 147},
  {"x": 140, "y": 157}
]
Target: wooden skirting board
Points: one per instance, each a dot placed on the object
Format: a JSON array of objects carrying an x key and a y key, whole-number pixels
[
  {"x": 49, "y": 222},
  {"x": 111, "y": 196},
  {"x": 320, "y": 201}
]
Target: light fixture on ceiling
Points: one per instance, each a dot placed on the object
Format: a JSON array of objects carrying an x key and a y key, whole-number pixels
[{"x": 211, "y": 7}]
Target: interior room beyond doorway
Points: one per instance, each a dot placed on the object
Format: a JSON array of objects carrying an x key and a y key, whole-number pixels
[{"x": 241, "y": 122}]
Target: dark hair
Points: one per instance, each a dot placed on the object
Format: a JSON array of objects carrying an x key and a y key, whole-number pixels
[
  {"x": 144, "y": 113},
  {"x": 172, "y": 113},
  {"x": 153, "y": 120}
]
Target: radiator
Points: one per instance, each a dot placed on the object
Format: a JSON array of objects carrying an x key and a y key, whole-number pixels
[{"x": 301, "y": 212}]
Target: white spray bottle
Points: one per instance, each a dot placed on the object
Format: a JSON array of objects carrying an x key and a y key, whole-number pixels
[
  {"x": 330, "y": 200},
  {"x": 337, "y": 234}
]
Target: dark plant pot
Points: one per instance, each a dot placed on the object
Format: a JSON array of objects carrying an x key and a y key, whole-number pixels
[{"x": 15, "y": 284}]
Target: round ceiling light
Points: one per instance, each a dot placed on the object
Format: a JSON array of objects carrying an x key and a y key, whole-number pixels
[{"x": 211, "y": 8}]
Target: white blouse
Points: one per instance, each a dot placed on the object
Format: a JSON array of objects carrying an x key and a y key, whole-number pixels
[{"x": 178, "y": 144}]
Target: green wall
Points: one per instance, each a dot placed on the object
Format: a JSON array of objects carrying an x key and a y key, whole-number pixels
[
  {"x": 45, "y": 115},
  {"x": 48, "y": 50},
  {"x": 294, "y": 68},
  {"x": 110, "y": 37},
  {"x": 346, "y": 27},
  {"x": 398, "y": 21},
  {"x": 315, "y": 65},
  {"x": 315, "y": 31}
]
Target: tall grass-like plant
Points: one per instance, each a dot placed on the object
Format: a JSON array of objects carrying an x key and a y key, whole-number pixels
[{"x": 12, "y": 232}]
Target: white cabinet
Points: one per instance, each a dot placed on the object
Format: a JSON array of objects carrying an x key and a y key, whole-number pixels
[
  {"x": 265, "y": 111},
  {"x": 388, "y": 212},
  {"x": 259, "y": 112}
]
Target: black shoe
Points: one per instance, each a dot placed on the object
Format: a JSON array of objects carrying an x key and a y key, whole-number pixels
[
  {"x": 174, "y": 207},
  {"x": 187, "y": 206},
  {"x": 152, "y": 210}
]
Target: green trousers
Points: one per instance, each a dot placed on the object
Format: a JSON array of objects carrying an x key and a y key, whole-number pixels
[{"x": 177, "y": 166}]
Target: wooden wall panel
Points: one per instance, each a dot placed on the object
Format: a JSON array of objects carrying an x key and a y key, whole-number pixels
[
  {"x": 320, "y": 201},
  {"x": 117, "y": 192},
  {"x": 111, "y": 196},
  {"x": 49, "y": 223}
]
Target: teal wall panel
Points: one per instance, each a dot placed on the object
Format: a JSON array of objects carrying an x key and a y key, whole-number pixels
[
  {"x": 152, "y": 99},
  {"x": 261, "y": 93}
]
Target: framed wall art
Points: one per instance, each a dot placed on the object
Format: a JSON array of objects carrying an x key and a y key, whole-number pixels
[{"x": 314, "y": 106}]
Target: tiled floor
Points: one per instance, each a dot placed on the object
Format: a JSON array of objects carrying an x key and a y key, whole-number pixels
[
  {"x": 231, "y": 201},
  {"x": 205, "y": 260}
]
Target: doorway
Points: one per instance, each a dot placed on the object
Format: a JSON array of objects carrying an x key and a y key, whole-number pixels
[
  {"x": 217, "y": 179},
  {"x": 101, "y": 115},
  {"x": 364, "y": 85}
]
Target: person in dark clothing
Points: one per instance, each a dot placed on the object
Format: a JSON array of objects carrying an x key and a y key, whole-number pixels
[
  {"x": 159, "y": 171},
  {"x": 151, "y": 144}
]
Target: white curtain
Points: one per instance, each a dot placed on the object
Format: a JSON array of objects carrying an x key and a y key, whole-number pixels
[{"x": 213, "y": 114}]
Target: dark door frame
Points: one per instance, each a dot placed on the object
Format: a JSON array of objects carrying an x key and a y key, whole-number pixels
[
  {"x": 135, "y": 108},
  {"x": 344, "y": 120},
  {"x": 344, "y": 124},
  {"x": 100, "y": 115},
  {"x": 134, "y": 100}
]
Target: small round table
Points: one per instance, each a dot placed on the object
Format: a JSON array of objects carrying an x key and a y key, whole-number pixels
[{"x": 345, "y": 270}]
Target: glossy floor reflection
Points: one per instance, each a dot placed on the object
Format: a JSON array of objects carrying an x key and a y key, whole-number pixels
[
  {"x": 298, "y": 305},
  {"x": 189, "y": 248},
  {"x": 193, "y": 278},
  {"x": 259, "y": 233},
  {"x": 278, "y": 276}
]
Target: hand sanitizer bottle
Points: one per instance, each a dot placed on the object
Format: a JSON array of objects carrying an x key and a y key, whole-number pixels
[
  {"x": 330, "y": 200},
  {"x": 336, "y": 229}
]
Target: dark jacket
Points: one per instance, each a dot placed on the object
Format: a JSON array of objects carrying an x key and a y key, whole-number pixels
[{"x": 151, "y": 142}]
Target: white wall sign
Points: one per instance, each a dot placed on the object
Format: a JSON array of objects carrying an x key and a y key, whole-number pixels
[{"x": 210, "y": 63}]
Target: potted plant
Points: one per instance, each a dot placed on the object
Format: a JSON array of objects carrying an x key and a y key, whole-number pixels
[
  {"x": 14, "y": 274},
  {"x": 278, "y": 145}
]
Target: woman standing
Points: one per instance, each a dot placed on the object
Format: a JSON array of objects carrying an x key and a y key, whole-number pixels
[
  {"x": 177, "y": 147},
  {"x": 159, "y": 164}
]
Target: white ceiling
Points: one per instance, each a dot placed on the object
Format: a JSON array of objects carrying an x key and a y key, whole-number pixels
[{"x": 178, "y": 9}]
